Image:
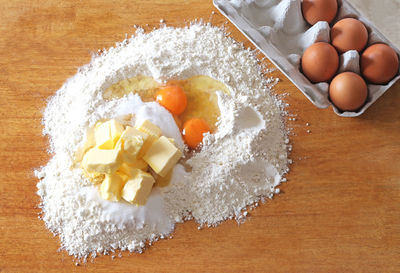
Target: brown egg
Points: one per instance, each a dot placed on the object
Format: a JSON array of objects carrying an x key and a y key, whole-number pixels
[
  {"x": 319, "y": 10},
  {"x": 379, "y": 64},
  {"x": 320, "y": 62},
  {"x": 348, "y": 91},
  {"x": 349, "y": 34}
]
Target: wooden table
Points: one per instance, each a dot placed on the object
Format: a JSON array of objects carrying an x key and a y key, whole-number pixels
[{"x": 339, "y": 211}]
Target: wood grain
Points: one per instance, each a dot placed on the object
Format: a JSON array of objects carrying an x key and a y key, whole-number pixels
[{"x": 339, "y": 211}]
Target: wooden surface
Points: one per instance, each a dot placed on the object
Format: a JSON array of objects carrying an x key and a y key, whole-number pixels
[{"x": 339, "y": 211}]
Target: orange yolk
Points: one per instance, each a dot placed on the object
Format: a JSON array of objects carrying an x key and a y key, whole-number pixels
[
  {"x": 193, "y": 131},
  {"x": 173, "y": 98}
]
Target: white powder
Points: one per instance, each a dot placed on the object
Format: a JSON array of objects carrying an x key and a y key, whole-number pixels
[{"x": 237, "y": 166}]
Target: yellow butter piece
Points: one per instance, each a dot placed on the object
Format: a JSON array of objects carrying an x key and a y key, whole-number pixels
[
  {"x": 116, "y": 130},
  {"x": 138, "y": 188},
  {"x": 123, "y": 175},
  {"x": 132, "y": 142},
  {"x": 149, "y": 128},
  {"x": 153, "y": 132},
  {"x": 101, "y": 161},
  {"x": 90, "y": 143},
  {"x": 108, "y": 133},
  {"x": 111, "y": 187},
  {"x": 162, "y": 156},
  {"x": 138, "y": 164},
  {"x": 128, "y": 171},
  {"x": 163, "y": 181}
]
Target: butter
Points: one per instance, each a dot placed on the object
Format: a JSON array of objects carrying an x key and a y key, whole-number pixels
[
  {"x": 162, "y": 156},
  {"x": 132, "y": 142},
  {"x": 118, "y": 158},
  {"x": 153, "y": 132},
  {"x": 110, "y": 188},
  {"x": 127, "y": 171},
  {"x": 101, "y": 161},
  {"x": 163, "y": 181},
  {"x": 138, "y": 188},
  {"x": 149, "y": 128},
  {"x": 107, "y": 134},
  {"x": 90, "y": 143},
  {"x": 138, "y": 164}
]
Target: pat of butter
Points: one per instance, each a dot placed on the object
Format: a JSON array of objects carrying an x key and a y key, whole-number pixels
[
  {"x": 162, "y": 156},
  {"x": 111, "y": 187},
  {"x": 107, "y": 134},
  {"x": 101, "y": 161},
  {"x": 153, "y": 132},
  {"x": 138, "y": 164},
  {"x": 132, "y": 142},
  {"x": 148, "y": 127},
  {"x": 138, "y": 188},
  {"x": 127, "y": 171}
]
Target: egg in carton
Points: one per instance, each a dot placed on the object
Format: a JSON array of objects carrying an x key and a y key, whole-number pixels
[{"x": 278, "y": 29}]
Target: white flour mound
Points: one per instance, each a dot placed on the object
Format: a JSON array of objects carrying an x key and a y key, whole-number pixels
[{"x": 240, "y": 164}]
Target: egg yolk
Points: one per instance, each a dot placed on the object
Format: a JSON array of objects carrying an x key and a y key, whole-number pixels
[
  {"x": 173, "y": 98},
  {"x": 193, "y": 131}
]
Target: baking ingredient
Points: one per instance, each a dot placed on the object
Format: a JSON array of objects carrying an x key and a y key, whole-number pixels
[
  {"x": 137, "y": 189},
  {"x": 153, "y": 132},
  {"x": 132, "y": 142},
  {"x": 149, "y": 128},
  {"x": 106, "y": 134},
  {"x": 239, "y": 165},
  {"x": 162, "y": 156},
  {"x": 319, "y": 10},
  {"x": 200, "y": 91},
  {"x": 102, "y": 161},
  {"x": 111, "y": 187},
  {"x": 320, "y": 62},
  {"x": 193, "y": 131},
  {"x": 349, "y": 34},
  {"x": 173, "y": 98},
  {"x": 348, "y": 91},
  {"x": 379, "y": 64},
  {"x": 123, "y": 164},
  {"x": 139, "y": 163},
  {"x": 127, "y": 171}
]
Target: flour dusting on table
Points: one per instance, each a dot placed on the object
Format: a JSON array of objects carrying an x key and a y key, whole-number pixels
[{"x": 242, "y": 162}]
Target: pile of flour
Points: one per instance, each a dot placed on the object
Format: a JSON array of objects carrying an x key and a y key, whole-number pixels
[{"x": 238, "y": 165}]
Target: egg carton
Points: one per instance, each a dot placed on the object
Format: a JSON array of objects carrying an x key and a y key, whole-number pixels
[{"x": 277, "y": 28}]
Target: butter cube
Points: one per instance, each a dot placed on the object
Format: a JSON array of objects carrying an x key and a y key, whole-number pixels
[
  {"x": 139, "y": 164},
  {"x": 153, "y": 132},
  {"x": 107, "y": 134},
  {"x": 127, "y": 171},
  {"x": 162, "y": 156},
  {"x": 122, "y": 175},
  {"x": 138, "y": 188},
  {"x": 111, "y": 187},
  {"x": 90, "y": 143},
  {"x": 148, "y": 127},
  {"x": 101, "y": 161},
  {"x": 132, "y": 142}
]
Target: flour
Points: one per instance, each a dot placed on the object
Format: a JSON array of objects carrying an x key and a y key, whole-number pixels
[{"x": 242, "y": 162}]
